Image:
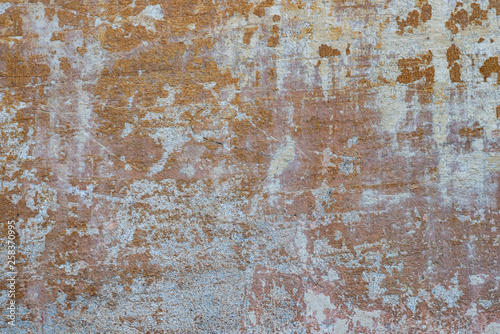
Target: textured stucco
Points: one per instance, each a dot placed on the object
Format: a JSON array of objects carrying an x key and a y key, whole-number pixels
[{"x": 238, "y": 166}]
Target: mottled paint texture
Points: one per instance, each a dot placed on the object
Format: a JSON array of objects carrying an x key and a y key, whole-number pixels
[{"x": 248, "y": 166}]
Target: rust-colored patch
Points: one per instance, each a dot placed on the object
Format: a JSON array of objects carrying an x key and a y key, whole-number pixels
[
  {"x": 20, "y": 71},
  {"x": 453, "y": 55},
  {"x": 414, "y": 17},
  {"x": 327, "y": 51},
  {"x": 489, "y": 67},
  {"x": 65, "y": 65},
  {"x": 475, "y": 132},
  {"x": 247, "y": 36},
  {"x": 274, "y": 39},
  {"x": 81, "y": 50},
  {"x": 455, "y": 73},
  {"x": 260, "y": 10},
  {"x": 460, "y": 18},
  {"x": 496, "y": 5},
  {"x": 11, "y": 23},
  {"x": 414, "y": 69},
  {"x": 58, "y": 36},
  {"x": 426, "y": 13}
]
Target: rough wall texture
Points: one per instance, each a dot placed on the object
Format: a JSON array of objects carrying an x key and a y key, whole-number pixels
[{"x": 237, "y": 166}]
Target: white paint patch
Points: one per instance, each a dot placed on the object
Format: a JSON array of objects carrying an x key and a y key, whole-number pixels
[
  {"x": 301, "y": 244},
  {"x": 493, "y": 328},
  {"x": 477, "y": 279},
  {"x": 392, "y": 107},
  {"x": 73, "y": 268},
  {"x": 187, "y": 170},
  {"x": 412, "y": 303},
  {"x": 472, "y": 311},
  {"x": 341, "y": 326},
  {"x": 464, "y": 178},
  {"x": 346, "y": 166},
  {"x": 450, "y": 296},
  {"x": 169, "y": 100},
  {"x": 374, "y": 280},
  {"x": 4, "y": 7},
  {"x": 316, "y": 305},
  {"x": 154, "y": 12},
  {"x": 252, "y": 318},
  {"x": 326, "y": 78},
  {"x": 127, "y": 130},
  {"x": 352, "y": 141},
  {"x": 274, "y": 186},
  {"x": 282, "y": 159},
  {"x": 365, "y": 318},
  {"x": 332, "y": 276},
  {"x": 171, "y": 139},
  {"x": 148, "y": 16},
  {"x": 372, "y": 197}
]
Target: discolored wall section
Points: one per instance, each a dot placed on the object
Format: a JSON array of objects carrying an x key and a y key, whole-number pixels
[{"x": 219, "y": 166}]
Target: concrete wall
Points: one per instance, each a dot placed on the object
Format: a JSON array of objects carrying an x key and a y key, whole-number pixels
[{"x": 237, "y": 166}]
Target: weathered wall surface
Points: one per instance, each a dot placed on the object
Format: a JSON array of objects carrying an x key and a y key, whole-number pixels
[{"x": 219, "y": 166}]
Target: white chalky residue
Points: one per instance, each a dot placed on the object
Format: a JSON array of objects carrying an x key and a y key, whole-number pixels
[
  {"x": 4, "y": 7},
  {"x": 374, "y": 281},
  {"x": 148, "y": 16},
  {"x": 332, "y": 276},
  {"x": 450, "y": 296},
  {"x": 372, "y": 197},
  {"x": 301, "y": 244},
  {"x": 365, "y": 318},
  {"x": 188, "y": 170},
  {"x": 316, "y": 305},
  {"x": 127, "y": 129},
  {"x": 493, "y": 328},
  {"x": 341, "y": 326},
  {"x": 282, "y": 158},
  {"x": 472, "y": 311},
  {"x": 172, "y": 139},
  {"x": 477, "y": 279}
]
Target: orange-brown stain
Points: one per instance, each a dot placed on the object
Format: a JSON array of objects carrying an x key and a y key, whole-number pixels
[
  {"x": 64, "y": 64},
  {"x": 327, "y": 51},
  {"x": 460, "y": 19},
  {"x": 414, "y": 17},
  {"x": 81, "y": 50},
  {"x": 20, "y": 72},
  {"x": 247, "y": 36},
  {"x": 426, "y": 13},
  {"x": 496, "y": 5},
  {"x": 257, "y": 78},
  {"x": 260, "y": 10},
  {"x": 58, "y": 36},
  {"x": 489, "y": 67},
  {"x": 11, "y": 22},
  {"x": 274, "y": 39},
  {"x": 475, "y": 132},
  {"x": 452, "y": 56},
  {"x": 414, "y": 69},
  {"x": 455, "y": 73}
]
